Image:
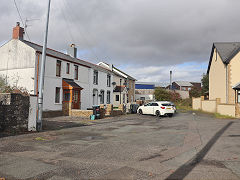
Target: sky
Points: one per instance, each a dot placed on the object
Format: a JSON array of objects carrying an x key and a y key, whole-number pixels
[{"x": 144, "y": 38}]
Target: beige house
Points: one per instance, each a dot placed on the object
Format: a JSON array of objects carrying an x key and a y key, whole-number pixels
[{"x": 224, "y": 73}]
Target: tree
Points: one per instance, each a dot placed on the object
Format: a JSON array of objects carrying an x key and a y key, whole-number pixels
[
  {"x": 162, "y": 94},
  {"x": 205, "y": 84},
  {"x": 195, "y": 92},
  {"x": 4, "y": 88}
]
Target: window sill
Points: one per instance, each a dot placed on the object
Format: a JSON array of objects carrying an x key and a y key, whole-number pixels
[{"x": 57, "y": 103}]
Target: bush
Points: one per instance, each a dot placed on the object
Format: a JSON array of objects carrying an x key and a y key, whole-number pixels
[
  {"x": 195, "y": 92},
  {"x": 4, "y": 88},
  {"x": 164, "y": 95},
  {"x": 161, "y": 94}
]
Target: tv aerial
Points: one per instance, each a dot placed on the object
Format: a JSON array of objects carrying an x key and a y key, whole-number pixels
[{"x": 26, "y": 24}]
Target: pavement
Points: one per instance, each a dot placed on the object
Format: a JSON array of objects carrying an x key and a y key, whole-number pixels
[{"x": 186, "y": 146}]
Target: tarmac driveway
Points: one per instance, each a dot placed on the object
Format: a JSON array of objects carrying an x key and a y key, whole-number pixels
[{"x": 186, "y": 146}]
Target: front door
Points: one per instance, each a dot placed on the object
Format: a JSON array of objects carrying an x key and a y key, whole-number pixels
[{"x": 76, "y": 99}]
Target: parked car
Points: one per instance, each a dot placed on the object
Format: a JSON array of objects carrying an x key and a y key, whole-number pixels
[{"x": 160, "y": 108}]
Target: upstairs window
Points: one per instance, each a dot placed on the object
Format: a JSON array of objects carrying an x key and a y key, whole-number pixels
[
  {"x": 95, "y": 77},
  {"x": 75, "y": 72},
  {"x": 58, "y": 68},
  {"x": 108, "y": 80},
  {"x": 108, "y": 97},
  {"x": 68, "y": 68}
]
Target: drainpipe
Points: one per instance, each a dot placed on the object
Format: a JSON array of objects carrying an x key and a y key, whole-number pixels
[
  {"x": 226, "y": 83},
  {"x": 120, "y": 91}
]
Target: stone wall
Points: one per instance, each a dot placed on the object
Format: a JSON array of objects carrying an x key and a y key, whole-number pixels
[
  {"x": 14, "y": 111},
  {"x": 81, "y": 113},
  {"x": 117, "y": 112}
]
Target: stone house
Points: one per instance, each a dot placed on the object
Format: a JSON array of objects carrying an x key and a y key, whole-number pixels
[
  {"x": 67, "y": 78},
  {"x": 224, "y": 73}
]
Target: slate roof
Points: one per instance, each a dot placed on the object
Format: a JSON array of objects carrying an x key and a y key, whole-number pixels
[
  {"x": 183, "y": 83},
  {"x": 72, "y": 83},
  {"x": 237, "y": 86},
  {"x": 128, "y": 76},
  {"x": 226, "y": 50},
  {"x": 63, "y": 56}
]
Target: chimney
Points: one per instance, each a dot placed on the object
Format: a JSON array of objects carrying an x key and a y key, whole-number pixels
[
  {"x": 18, "y": 32},
  {"x": 111, "y": 67},
  {"x": 72, "y": 50}
]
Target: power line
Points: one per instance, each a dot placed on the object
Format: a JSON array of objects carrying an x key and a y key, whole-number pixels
[
  {"x": 65, "y": 3},
  {"x": 68, "y": 25},
  {"x": 19, "y": 14}
]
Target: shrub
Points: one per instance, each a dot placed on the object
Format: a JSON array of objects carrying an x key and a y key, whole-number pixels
[
  {"x": 195, "y": 92},
  {"x": 4, "y": 88},
  {"x": 164, "y": 95}
]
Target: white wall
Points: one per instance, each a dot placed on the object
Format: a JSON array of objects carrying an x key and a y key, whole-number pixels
[
  {"x": 102, "y": 85},
  {"x": 17, "y": 64},
  {"x": 51, "y": 81},
  {"x": 146, "y": 96}
]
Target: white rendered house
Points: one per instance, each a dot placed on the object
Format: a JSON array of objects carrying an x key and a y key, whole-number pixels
[
  {"x": 124, "y": 85},
  {"x": 67, "y": 78}
]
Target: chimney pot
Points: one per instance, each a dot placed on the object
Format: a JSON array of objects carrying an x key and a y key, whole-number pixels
[{"x": 72, "y": 50}]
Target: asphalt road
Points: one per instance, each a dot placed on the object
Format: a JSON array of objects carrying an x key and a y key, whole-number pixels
[{"x": 186, "y": 146}]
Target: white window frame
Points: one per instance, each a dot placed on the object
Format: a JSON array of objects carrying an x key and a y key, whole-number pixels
[
  {"x": 95, "y": 77},
  {"x": 108, "y": 80},
  {"x": 59, "y": 96}
]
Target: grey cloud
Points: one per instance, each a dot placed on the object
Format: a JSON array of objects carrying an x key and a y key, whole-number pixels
[{"x": 137, "y": 32}]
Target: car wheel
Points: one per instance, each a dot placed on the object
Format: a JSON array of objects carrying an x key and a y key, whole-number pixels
[
  {"x": 170, "y": 115},
  {"x": 140, "y": 112},
  {"x": 158, "y": 113}
]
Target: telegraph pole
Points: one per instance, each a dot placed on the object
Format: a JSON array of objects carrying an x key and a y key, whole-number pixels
[{"x": 42, "y": 73}]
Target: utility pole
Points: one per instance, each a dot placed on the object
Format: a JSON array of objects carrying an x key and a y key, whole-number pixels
[
  {"x": 170, "y": 80},
  {"x": 42, "y": 73}
]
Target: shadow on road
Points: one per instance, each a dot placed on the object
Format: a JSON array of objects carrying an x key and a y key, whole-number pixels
[{"x": 185, "y": 169}]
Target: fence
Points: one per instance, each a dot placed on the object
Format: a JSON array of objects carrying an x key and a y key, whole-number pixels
[{"x": 215, "y": 106}]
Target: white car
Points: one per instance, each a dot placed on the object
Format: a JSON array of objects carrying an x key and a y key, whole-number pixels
[{"x": 160, "y": 108}]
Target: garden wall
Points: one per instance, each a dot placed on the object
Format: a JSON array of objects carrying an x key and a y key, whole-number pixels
[
  {"x": 215, "y": 106},
  {"x": 14, "y": 111}
]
